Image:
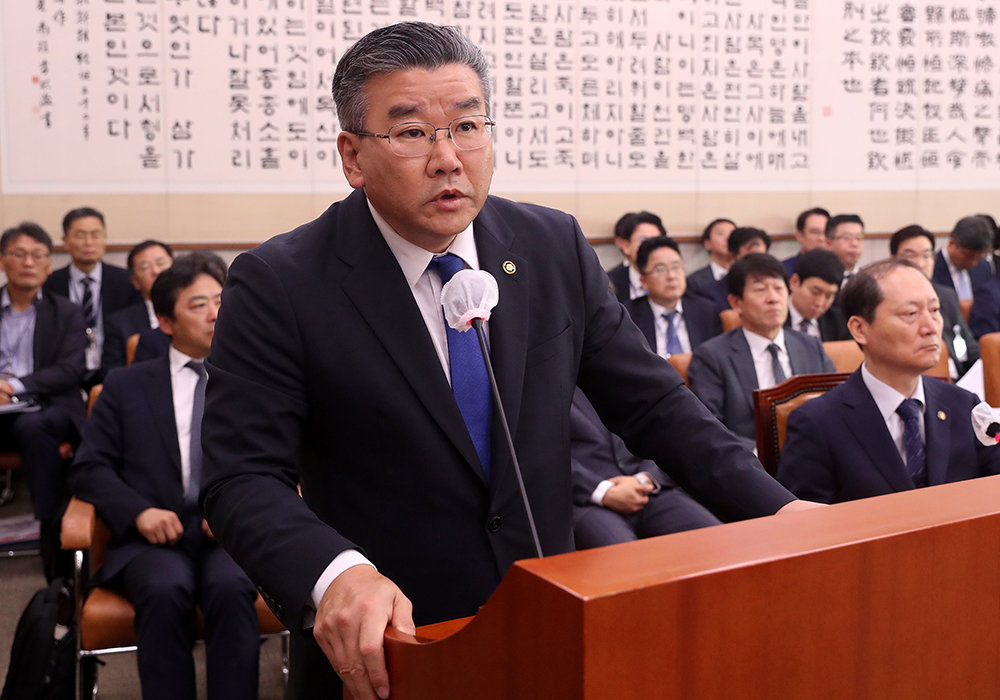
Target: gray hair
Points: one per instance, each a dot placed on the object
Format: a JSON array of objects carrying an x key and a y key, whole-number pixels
[{"x": 398, "y": 47}]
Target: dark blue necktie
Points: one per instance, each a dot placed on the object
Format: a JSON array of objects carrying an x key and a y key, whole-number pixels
[
  {"x": 673, "y": 341},
  {"x": 197, "y": 412},
  {"x": 469, "y": 381},
  {"x": 776, "y": 368},
  {"x": 909, "y": 411},
  {"x": 87, "y": 302}
]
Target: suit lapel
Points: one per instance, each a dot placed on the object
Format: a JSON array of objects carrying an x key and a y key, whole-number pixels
[
  {"x": 159, "y": 396},
  {"x": 379, "y": 291},
  {"x": 865, "y": 423},
  {"x": 798, "y": 354},
  {"x": 937, "y": 434},
  {"x": 742, "y": 361},
  {"x": 45, "y": 332}
]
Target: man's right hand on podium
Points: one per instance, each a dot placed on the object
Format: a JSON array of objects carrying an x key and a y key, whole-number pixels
[{"x": 350, "y": 624}]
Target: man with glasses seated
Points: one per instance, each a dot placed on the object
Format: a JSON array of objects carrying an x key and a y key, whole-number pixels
[
  {"x": 97, "y": 287},
  {"x": 671, "y": 321},
  {"x": 42, "y": 343}
]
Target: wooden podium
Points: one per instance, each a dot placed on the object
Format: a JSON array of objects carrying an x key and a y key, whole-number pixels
[{"x": 890, "y": 597}]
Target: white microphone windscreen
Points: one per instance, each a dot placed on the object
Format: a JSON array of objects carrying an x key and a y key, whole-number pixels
[
  {"x": 983, "y": 416},
  {"x": 467, "y": 295}
]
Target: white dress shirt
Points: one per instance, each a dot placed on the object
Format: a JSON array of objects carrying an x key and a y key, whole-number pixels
[
  {"x": 662, "y": 326},
  {"x": 762, "y": 357},
  {"x": 887, "y": 400},
  {"x": 183, "y": 380},
  {"x": 154, "y": 320},
  {"x": 812, "y": 327},
  {"x": 718, "y": 271},
  {"x": 959, "y": 278}
]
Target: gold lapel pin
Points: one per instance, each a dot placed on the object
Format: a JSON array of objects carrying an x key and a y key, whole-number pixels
[
  {"x": 509, "y": 267},
  {"x": 941, "y": 415}
]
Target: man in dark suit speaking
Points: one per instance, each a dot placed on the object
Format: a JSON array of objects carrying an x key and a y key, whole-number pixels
[{"x": 332, "y": 369}]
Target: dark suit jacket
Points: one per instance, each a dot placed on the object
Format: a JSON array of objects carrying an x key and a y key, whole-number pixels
[
  {"x": 700, "y": 318},
  {"x": 979, "y": 275},
  {"x": 985, "y": 314},
  {"x": 722, "y": 375},
  {"x": 839, "y": 448},
  {"x": 618, "y": 275},
  {"x": 58, "y": 348},
  {"x": 701, "y": 283},
  {"x": 117, "y": 329},
  {"x": 790, "y": 263},
  {"x": 832, "y": 325},
  {"x": 117, "y": 290},
  {"x": 322, "y": 372},
  {"x": 152, "y": 343},
  {"x": 129, "y": 460},
  {"x": 951, "y": 315}
]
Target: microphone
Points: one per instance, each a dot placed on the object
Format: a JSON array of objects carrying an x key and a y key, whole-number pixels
[
  {"x": 986, "y": 423},
  {"x": 468, "y": 298}
]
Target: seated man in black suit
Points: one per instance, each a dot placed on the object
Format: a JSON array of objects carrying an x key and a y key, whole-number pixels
[
  {"x": 145, "y": 261},
  {"x": 742, "y": 241},
  {"x": 630, "y": 231},
  {"x": 140, "y": 465},
  {"x": 715, "y": 238},
  {"x": 887, "y": 428},
  {"x": 916, "y": 244},
  {"x": 671, "y": 322},
  {"x": 618, "y": 497},
  {"x": 810, "y": 232},
  {"x": 814, "y": 285},
  {"x": 961, "y": 263},
  {"x": 99, "y": 288},
  {"x": 845, "y": 236},
  {"x": 725, "y": 370},
  {"x": 42, "y": 343}
]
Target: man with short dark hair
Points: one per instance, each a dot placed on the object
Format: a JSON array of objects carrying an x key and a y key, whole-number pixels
[
  {"x": 97, "y": 287},
  {"x": 916, "y": 244},
  {"x": 630, "y": 231},
  {"x": 145, "y": 262},
  {"x": 810, "y": 232},
  {"x": 887, "y": 428},
  {"x": 961, "y": 263},
  {"x": 745, "y": 240},
  {"x": 140, "y": 465},
  {"x": 671, "y": 321},
  {"x": 845, "y": 236},
  {"x": 725, "y": 370},
  {"x": 42, "y": 343},
  {"x": 707, "y": 281},
  {"x": 814, "y": 286}
]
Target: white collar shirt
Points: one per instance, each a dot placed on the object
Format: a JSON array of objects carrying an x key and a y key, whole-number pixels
[
  {"x": 183, "y": 381},
  {"x": 661, "y": 325},
  {"x": 811, "y": 327},
  {"x": 887, "y": 400},
  {"x": 762, "y": 357}
]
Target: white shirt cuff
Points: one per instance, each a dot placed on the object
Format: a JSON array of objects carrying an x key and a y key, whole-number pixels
[
  {"x": 341, "y": 563},
  {"x": 597, "y": 497},
  {"x": 16, "y": 384}
]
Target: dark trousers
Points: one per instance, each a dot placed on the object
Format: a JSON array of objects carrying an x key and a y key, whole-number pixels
[
  {"x": 164, "y": 584},
  {"x": 670, "y": 510},
  {"x": 37, "y": 437}
]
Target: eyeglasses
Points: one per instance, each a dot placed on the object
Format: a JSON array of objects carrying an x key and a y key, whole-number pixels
[
  {"x": 917, "y": 255},
  {"x": 85, "y": 235},
  {"x": 415, "y": 139},
  {"x": 850, "y": 237},
  {"x": 660, "y": 270},
  {"x": 22, "y": 255}
]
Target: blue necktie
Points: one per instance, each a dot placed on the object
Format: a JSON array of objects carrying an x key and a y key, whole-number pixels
[
  {"x": 194, "y": 449},
  {"x": 87, "y": 302},
  {"x": 673, "y": 342},
  {"x": 909, "y": 411},
  {"x": 469, "y": 382},
  {"x": 779, "y": 372}
]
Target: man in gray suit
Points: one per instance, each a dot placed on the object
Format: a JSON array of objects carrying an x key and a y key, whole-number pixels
[{"x": 724, "y": 371}]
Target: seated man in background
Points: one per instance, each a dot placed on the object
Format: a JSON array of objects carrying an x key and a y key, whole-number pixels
[
  {"x": 845, "y": 236},
  {"x": 715, "y": 238},
  {"x": 671, "y": 322},
  {"x": 961, "y": 264},
  {"x": 618, "y": 497},
  {"x": 630, "y": 231},
  {"x": 810, "y": 232},
  {"x": 140, "y": 465},
  {"x": 747, "y": 239},
  {"x": 725, "y": 370},
  {"x": 814, "y": 286},
  {"x": 916, "y": 244},
  {"x": 887, "y": 428},
  {"x": 99, "y": 288},
  {"x": 145, "y": 261},
  {"x": 42, "y": 343}
]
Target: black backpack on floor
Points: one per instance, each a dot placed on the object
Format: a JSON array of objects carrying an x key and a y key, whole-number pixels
[{"x": 42, "y": 658}]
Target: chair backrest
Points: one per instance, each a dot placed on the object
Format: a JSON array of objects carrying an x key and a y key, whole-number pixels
[
  {"x": 846, "y": 355},
  {"x": 730, "y": 319},
  {"x": 965, "y": 305},
  {"x": 681, "y": 361},
  {"x": 989, "y": 350},
  {"x": 130, "y": 345},
  {"x": 771, "y": 408}
]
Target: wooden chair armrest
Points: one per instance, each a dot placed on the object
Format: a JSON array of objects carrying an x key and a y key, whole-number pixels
[{"x": 78, "y": 525}]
